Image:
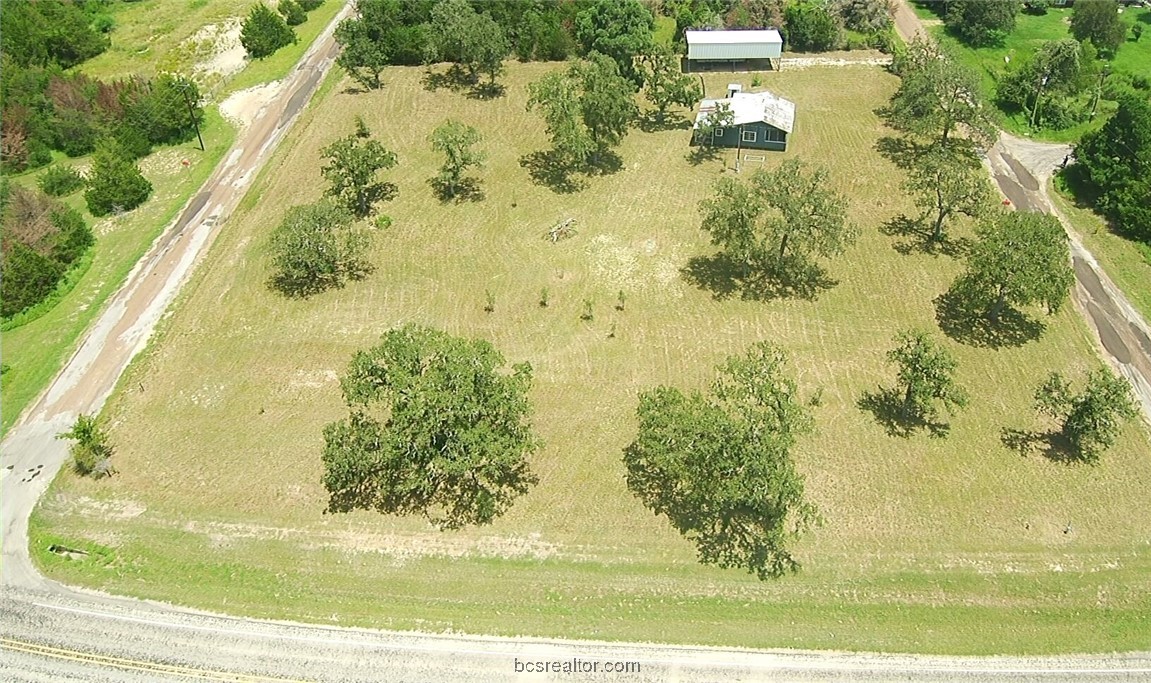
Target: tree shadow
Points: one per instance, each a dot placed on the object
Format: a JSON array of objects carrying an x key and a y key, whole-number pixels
[
  {"x": 886, "y": 406},
  {"x": 307, "y": 287},
  {"x": 1075, "y": 181},
  {"x": 651, "y": 122},
  {"x": 968, "y": 324},
  {"x": 721, "y": 275},
  {"x": 898, "y": 150},
  {"x": 455, "y": 79},
  {"x": 547, "y": 169},
  {"x": 919, "y": 239},
  {"x": 699, "y": 154},
  {"x": 487, "y": 91},
  {"x": 1051, "y": 445},
  {"x": 602, "y": 162},
  {"x": 467, "y": 190}
]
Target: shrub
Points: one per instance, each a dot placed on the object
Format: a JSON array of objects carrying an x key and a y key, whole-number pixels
[
  {"x": 294, "y": 15},
  {"x": 91, "y": 451},
  {"x": 60, "y": 181},
  {"x": 115, "y": 183},
  {"x": 264, "y": 32},
  {"x": 810, "y": 26},
  {"x": 42, "y": 238},
  {"x": 309, "y": 5}
]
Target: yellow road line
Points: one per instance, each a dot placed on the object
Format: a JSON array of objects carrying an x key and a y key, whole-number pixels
[{"x": 136, "y": 664}]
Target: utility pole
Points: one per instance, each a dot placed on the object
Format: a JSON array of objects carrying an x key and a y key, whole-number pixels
[
  {"x": 192, "y": 114},
  {"x": 1099, "y": 91},
  {"x": 1038, "y": 95}
]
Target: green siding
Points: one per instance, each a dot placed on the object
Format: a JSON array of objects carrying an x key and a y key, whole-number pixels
[{"x": 766, "y": 137}]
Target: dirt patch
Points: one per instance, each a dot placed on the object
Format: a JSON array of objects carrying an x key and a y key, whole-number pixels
[
  {"x": 314, "y": 378},
  {"x": 401, "y": 548},
  {"x": 634, "y": 267},
  {"x": 218, "y": 50},
  {"x": 165, "y": 162},
  {"x": 805, "y": 62},
  {"x": 84, "y": 506},
  {"x": 242, "y": 106}
]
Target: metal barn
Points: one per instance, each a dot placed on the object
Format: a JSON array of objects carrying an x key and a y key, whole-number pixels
[{"x": 714, "y": 50}]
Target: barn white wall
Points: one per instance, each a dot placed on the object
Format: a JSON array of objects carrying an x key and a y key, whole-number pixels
[{"x": 735, "y": 51}]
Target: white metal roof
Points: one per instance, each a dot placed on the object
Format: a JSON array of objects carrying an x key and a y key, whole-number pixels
[
  {"x": 733, "y": 37},
  {"x": 752, "y": 107}
]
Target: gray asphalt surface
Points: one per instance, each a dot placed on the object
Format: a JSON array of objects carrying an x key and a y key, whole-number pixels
[
  {"x": 1022, "y": 168},
  {"x": 53, "y": 633},
  {"x": 221, "y": 648}
]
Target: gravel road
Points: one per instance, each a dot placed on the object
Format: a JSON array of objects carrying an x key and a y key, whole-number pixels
[{"x": 82, "y": 630}]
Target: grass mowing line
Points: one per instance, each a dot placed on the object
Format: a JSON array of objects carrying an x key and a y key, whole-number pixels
[{"x": 930, "y": 545}]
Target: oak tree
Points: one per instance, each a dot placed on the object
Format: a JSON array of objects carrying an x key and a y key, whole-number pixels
[
  {"x": 620, "y": 29},
  {"x": 926, "y": 376},
  {"x": 946, "y": 182},
  {"x": 1089, "y": 421},
  {"x": 720, "y": 466},
  {"x": 587, "y": 108},
  {"x": 557, "y": 97},
  {"x": 1099, "y": 22},
  {"x": 786, "y": 214},
  {"x": 937, "y": 98},
  {"x": 468, "y": 38},
  {"x": 607, "y": 106},
  {"x": 315, "y": 248},
  {"x": 1020, "y": 258},
  {"x": 455, "y": 141},
  {"x": 353, "y": 163},
  {"x": 364, "y": 52},
  {"x": 664, "y": 83},
  {"x": 437, "y": 428},
  {"x": 982, "y": 22}
]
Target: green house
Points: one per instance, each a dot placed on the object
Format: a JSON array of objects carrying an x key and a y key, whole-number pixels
[{"x": 760, "y": 120}]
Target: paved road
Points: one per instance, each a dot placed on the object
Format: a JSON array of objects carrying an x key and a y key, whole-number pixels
[
  {"x": 1021, "y": 169},
  {"x": 49, "y": 632},
  {"x": 91, "y": 640}
]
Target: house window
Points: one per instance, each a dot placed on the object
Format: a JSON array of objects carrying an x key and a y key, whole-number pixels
[
  {"x": 718, "y": 132},
  {"x": 774, "y": 135},
  {"x": 749, "y": 136}
]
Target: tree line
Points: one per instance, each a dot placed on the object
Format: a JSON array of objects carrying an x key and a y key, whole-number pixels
[{"x": 49, "y": 107}]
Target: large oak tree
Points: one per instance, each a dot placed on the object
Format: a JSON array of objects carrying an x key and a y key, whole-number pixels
[
  {"x": 937, "y": 98},
  {"x": 1021, "y": 258},
  {"x": 778, "y": 219},
  {"x": 720, "y": 465},
  {"x": 437, "y": 428}
]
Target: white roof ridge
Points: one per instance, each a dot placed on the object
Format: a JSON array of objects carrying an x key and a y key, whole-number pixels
[{"x": 748, "y": 107}]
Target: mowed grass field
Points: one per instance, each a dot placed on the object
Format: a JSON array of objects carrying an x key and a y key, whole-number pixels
[{"x": 929, "y": 545}]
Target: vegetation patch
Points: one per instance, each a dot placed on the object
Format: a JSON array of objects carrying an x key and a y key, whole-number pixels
[{"x": 956, "y": 545}]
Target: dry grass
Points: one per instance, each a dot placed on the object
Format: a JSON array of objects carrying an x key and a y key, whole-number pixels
[{"x": 952, "y": 545}]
